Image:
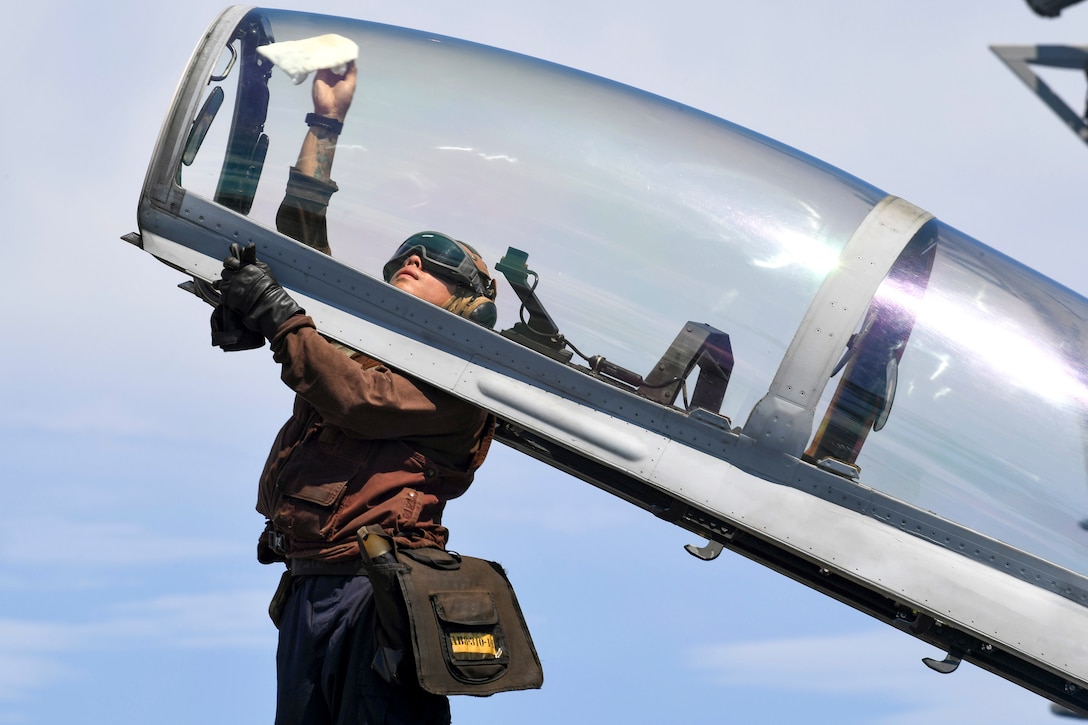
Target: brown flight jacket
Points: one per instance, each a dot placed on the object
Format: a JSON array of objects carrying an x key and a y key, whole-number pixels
[{"x": 365, "y": 444}]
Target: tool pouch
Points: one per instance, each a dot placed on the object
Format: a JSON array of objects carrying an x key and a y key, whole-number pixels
[{"x": 465, "y": 628}]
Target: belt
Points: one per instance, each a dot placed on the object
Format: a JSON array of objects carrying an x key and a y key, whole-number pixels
[{"x": 316, "y": 567}]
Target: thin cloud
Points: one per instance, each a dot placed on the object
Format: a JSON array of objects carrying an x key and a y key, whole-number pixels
[
  {"x": 870, "y": 665},
  {"x": 212, "y": 620},
  {"x": 847, "y": 664},
  {"x": 36, "y": 654},
  {"x": 102, "y": 544}
]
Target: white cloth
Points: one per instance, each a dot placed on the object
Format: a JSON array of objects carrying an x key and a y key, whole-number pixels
[{"x": 298, "y": 58}]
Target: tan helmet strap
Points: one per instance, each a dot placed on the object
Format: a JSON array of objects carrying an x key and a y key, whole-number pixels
[{"x": 464, "y": 304}]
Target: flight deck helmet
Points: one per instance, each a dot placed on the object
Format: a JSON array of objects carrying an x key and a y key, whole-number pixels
[{"x": 455, "y": 262}]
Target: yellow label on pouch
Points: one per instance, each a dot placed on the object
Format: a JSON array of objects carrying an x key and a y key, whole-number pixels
[{"x": 473, "y": 646}]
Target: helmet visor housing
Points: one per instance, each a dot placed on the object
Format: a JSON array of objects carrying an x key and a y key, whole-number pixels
[{"x": 442, "y": 256}]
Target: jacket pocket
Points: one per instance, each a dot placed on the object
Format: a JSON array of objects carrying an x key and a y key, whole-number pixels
[{"x": 311, "y": 489}]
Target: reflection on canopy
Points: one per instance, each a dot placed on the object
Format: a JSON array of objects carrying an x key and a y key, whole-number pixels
[
  {"x": 639, "y": 215},
  {"x": 636, "y": 221},
  {"x": 990, "y": 408},
  {"x": 701, "y": 285}
]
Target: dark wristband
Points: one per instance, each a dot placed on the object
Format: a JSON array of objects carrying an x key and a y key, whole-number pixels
[{"x": 329, "y": 124}]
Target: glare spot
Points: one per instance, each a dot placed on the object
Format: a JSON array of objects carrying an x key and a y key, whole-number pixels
[
  {"x": 1013, "y": 351},
  {"x": 482, "y": 155},
  {"x": 940, "y": 368},
  {"x": 800, "y": 250}
]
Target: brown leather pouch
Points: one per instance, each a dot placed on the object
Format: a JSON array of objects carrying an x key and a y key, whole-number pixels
[{"x": 466, "y": 629}]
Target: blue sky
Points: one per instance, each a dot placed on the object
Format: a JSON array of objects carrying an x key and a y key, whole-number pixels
[{"x": 129, "y": 447}]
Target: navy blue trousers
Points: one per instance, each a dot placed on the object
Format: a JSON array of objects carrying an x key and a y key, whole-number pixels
[{"x": 323, "y": 663}]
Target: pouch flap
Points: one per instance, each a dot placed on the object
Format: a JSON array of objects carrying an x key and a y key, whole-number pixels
[
  {"x": 436, "y": 558},
  {"x": 474, "y": 609}
]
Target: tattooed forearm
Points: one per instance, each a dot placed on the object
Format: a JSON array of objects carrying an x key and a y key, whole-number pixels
[{"x": 318, "y": 149}]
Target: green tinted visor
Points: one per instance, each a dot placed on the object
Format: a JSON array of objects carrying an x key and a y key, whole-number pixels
[{"x": 442, "y": 256}]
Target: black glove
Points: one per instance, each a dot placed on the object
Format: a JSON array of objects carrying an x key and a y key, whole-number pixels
[
  {"x": 248, "y": 288},
  {"x": 240, "y": 257},
  {"x": 230, "y": 334}
]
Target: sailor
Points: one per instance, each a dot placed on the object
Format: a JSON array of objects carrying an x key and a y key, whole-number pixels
[{"x": 365, "y": 445}]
